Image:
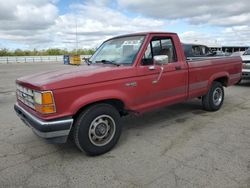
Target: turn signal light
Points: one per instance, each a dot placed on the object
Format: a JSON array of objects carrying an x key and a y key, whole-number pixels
[
  {"x": 45, "y": 109},
  {"x": 44, "y": 102},
  {"x": 47, "y": 98}
]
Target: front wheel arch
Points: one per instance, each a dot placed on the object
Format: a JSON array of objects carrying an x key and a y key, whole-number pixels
[{"x": 116, "y": 103}]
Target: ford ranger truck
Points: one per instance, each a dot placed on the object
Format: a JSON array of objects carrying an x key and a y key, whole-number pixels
[{"x": 132, "y": 73}]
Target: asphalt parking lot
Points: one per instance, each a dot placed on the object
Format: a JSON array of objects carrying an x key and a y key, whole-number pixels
[{"x": 178, "y": 146}]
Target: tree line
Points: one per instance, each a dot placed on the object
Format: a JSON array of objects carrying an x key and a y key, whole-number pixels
[{"x": 51, "y": 51}]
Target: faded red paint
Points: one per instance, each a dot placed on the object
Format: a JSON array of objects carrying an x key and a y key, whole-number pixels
[{"x": 76, "y": 87}]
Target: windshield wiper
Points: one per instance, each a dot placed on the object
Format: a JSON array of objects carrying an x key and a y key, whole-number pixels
[
  {"x": 108, "y": 62},
  {"x": 87, "y": 60}
]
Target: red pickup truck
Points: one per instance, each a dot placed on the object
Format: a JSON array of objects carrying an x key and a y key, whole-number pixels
[{"x": 132, "y": 73}]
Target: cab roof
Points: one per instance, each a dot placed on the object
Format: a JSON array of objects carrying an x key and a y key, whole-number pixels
[{"x": 143, "y": 33}]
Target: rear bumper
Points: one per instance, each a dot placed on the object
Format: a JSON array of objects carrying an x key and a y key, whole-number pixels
[
  {"x": 56, "y": 131},
  {"x": 245, "y": 74}
]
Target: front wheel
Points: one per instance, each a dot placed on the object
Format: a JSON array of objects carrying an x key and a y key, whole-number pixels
[
  {"x": 97, "y": 129},
  {"x": 213, "y": 100}
]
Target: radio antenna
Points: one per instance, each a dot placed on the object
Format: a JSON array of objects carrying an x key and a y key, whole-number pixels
[{"x": 76, "y": 37}]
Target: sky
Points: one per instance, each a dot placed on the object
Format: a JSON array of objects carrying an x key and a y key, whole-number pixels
[{"x": 43, "y": 24}]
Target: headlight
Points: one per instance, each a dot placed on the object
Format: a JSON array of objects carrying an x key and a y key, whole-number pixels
[
  {"x": 44, "y": 102},
  {"x": 37, "y": 97}
]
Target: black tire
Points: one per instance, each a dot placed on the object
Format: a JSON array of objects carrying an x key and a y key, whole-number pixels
[
  {"x": 93, "y": 123},
  {"x": 213, "y": 100}
]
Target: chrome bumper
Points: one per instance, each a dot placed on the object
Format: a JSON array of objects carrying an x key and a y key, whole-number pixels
[{"x": 56, "y": 131}]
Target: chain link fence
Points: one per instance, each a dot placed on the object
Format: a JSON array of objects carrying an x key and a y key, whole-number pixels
[{"x": 34, "y": 59}]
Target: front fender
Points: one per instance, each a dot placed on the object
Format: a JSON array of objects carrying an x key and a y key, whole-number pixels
[{"x": 98, "y": 96}]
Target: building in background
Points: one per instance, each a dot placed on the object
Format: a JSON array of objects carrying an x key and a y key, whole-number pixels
[{"x": 216, "y": 46}]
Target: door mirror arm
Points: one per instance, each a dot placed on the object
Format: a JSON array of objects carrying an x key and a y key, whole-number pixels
[
  {"x": 159, "y": 76},
  {"x": 159, "y": 60}
]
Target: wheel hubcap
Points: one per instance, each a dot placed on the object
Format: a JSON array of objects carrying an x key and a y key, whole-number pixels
[
  {"x": 217, "y": 96},
  {"x": 102, "y": 130}
]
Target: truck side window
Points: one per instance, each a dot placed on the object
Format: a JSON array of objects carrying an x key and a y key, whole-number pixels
[
  {"x": 167, "y": 48},
  {"x": 147, "y": 58},
  {"x": 159, "y": 46}
]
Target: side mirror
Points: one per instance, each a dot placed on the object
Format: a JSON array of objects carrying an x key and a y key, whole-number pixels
[{"x": 160, "y": 59}]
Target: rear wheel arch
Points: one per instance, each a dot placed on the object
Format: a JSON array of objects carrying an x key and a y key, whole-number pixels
[
  {"x": 222, "y": 77},
  {"x": 223, "y": 80}
]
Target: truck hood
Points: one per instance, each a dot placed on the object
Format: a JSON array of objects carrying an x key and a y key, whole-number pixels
[{"x": 74, "y": 76}]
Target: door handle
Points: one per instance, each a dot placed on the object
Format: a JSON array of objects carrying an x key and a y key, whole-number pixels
[{"x": 178, "y": 68}]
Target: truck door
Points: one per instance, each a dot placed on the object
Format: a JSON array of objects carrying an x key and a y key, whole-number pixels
[{"x": 156, "y": 89}]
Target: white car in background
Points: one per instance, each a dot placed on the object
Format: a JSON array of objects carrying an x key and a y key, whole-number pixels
[
  {"x": 246, "y": 65},
  {"x": 240, "y": 53}
]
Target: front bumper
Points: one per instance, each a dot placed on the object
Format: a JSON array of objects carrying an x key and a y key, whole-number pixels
[
  {"x": 56, "y": 131},
  {"x": 245, "y": 74}
]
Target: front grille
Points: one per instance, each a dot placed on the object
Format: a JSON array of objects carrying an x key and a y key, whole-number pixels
[
  {"x": 245, "y": 61},
  {"x": 25, "y": 95}
]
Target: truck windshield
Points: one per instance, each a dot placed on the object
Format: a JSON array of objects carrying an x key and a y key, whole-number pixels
[{"x": 118, "y": 51}]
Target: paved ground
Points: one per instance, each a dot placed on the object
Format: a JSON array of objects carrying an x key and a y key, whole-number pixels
[{"x": 179, "y": 146}]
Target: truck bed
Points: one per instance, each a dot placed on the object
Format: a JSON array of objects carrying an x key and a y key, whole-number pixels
[
  {"x": 208, "y": 58},
  {"x": 202, "y": 72}
]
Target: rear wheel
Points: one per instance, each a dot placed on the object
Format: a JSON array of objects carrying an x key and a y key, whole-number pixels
[
  {"x": 213, "y": 100},
  {"x": 97, "y": 129}
]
